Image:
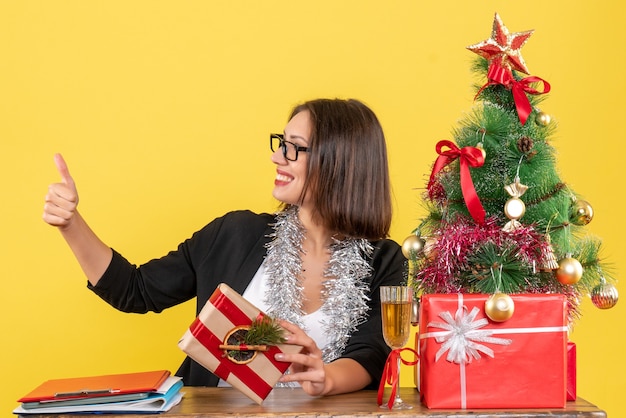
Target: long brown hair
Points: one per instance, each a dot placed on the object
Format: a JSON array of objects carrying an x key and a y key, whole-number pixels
[{"x": 348, "y": 173}]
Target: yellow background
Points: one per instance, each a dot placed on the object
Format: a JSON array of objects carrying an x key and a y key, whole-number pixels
[{"x": 162, "y": 110}]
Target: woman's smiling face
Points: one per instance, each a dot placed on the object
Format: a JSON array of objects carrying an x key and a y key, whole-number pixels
[{"x": 291, "y": 175}]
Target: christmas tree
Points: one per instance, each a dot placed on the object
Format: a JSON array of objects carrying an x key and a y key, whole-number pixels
[{"x": 500, "y": 220}]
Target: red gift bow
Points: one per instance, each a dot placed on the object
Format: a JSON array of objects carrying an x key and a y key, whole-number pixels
[
  {"x": 468, "y": 157},
  {"x": 391, "y": 374},
  {"x": 497, "y": 74}
]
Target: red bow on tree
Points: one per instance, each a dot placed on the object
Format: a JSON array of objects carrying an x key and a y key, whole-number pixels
[
  {"x": 498, "y": 74},
  {"x": 468, "y": 157}
]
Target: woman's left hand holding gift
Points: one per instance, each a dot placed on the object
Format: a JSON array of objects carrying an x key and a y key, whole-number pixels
[{"x": 308, "y": 368}]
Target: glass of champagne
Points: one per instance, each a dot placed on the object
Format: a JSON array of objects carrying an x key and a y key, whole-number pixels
[{"x": 396, "y": 304}]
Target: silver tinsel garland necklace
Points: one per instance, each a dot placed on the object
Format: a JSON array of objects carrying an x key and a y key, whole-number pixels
[{"x": 345, "y": 291}]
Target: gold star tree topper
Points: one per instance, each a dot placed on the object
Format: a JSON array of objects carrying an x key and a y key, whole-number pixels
[{"x": 503, "y": 48}]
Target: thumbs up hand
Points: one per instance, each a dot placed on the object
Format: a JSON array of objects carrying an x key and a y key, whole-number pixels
[{"x": 62, "y": 198}]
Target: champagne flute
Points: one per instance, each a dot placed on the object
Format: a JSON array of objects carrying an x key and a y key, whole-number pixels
[{"x": 396, "y": 304}]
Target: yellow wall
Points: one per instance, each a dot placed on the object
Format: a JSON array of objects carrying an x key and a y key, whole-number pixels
[{"x": 162, "y": 110}]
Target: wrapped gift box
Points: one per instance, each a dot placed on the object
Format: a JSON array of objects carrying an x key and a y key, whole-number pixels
[
  {"x": 518, "y": 363},
  {"x": 571, "y": 371},
  {"x": 225, "y": 312}
]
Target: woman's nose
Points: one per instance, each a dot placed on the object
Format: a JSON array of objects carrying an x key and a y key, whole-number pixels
[{"x": 277, "y": 157}]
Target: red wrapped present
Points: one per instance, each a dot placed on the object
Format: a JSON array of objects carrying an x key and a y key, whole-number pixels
[
  {"x": 251, "y": 371},
  {"x": 571, "y": 371},
  {"x": 468, "y": 361}
]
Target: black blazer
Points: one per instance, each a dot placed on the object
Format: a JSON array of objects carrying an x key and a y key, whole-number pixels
[{"x": 230, "y": 250}]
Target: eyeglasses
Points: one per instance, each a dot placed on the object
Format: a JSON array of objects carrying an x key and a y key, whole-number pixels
[{"x": 290, "y": 150}]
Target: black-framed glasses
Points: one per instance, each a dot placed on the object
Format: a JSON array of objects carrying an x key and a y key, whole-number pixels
[{"x": 290, "y": 150}]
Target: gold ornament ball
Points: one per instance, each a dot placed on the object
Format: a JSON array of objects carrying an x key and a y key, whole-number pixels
[
  {"x": 581, "y": 213},
  {"x": 482, "y": 150},
  {"x": 570, "y": 271},
  {"x": 604, "y": 295},
  {"x": 499, "y": 307},
  {"x": 412, "y": 246},
  {"x": 543, "y": 119}
]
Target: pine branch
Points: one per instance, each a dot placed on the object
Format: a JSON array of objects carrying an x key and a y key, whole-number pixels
[{"x": 264, "y": 331}]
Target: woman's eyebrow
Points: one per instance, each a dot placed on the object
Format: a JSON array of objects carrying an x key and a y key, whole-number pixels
[{"x": 296, "y": 136}]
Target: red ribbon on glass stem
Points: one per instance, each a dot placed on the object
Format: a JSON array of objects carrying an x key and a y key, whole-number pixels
[
  {"x": 468, "y": 157},
  {"x": 497, "y": 74},
  {"x": 391, "y": 374}
]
